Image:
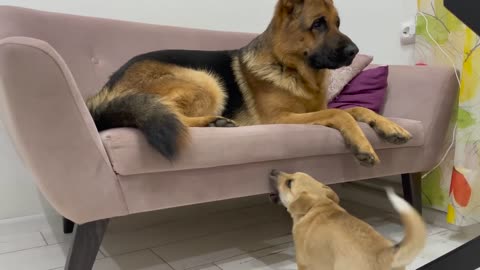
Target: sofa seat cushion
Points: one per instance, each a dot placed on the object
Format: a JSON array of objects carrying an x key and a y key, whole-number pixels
[{"x": 131, "y": 154}]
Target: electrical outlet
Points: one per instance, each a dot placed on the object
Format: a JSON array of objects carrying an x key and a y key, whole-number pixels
[{"x": 407, "y": 35}]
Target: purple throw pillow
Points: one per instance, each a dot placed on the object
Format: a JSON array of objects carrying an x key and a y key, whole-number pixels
[{"x": 367, "y": 89}]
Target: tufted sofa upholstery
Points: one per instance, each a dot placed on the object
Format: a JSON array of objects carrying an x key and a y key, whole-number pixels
[{"x": 49, "y": 63}]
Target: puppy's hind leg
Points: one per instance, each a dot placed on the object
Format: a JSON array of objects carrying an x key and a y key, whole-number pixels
[
  {"x": 386, "y": 129},
  {"x": 301, "y": 267}
]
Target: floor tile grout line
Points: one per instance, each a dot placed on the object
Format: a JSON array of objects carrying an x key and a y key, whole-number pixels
[
  {"x": 154, "y": 247},
  {"x": 201, "y": 265},
  {"x": 166, "y": 222},
  {"x": 273, "y": 221},
  {"x": 247, "y": 252},
  {"x": 113, "y": 257},
  {"x": 439, "y": 232},
  {"x": 397, "y": 221},
  {"x": 194, "y": 237},
  {"x": 104, "y": 255},
  {"x": 240, "y": 209},
  {"x": 233, "y": 229},
  {"x": 23, "y": 249},
  {"x": 34, "y": 247},
  {"x": 186, "y": 219},
  {"x": 214, "y": 262},
  {"x": 97, "y": 259},
  {"x": 163, "y": 244},
  {"x": 162, "y": 259},
  {"x": 44, "y": 239},
  {"x": 251, "y": 215}
]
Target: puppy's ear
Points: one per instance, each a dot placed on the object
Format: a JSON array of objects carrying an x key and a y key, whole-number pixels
[
  {"x": 332, "y": 195},
  {"x": 292, "y": 6},
  {"x": 302, "y": 204}
]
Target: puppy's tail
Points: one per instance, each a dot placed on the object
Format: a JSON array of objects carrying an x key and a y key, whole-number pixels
[
  {"x": 161, "y": 126},
  {"x": 415, "y": 231}
]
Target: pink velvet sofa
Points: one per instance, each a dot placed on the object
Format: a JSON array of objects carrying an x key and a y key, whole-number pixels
[{"x": 49, "y": 64}]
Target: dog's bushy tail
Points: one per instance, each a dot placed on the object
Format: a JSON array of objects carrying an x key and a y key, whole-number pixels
[
  {"x": 161, "y": 126},
  {"x": 415, "y": 231}
]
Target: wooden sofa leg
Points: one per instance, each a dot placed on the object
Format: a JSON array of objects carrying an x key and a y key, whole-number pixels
[
  {"x": 412, "y": 189},
  {"x": 86, "y": 244},
  {"x": 68, "y": 226}
]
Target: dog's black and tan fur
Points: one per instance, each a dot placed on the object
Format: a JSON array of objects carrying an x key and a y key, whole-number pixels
[{"x": 278, "y": 78}]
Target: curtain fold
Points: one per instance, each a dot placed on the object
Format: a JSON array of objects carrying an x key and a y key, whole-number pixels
[{"x": 454, "y": 186}]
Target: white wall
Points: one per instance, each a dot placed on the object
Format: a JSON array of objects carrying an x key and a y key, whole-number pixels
[
  {"x": 18, "y": 196},
  {"x": 373, "y": 24}
]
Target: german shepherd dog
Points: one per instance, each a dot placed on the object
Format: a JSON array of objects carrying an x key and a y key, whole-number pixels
[{"x": 279, "y": 78}]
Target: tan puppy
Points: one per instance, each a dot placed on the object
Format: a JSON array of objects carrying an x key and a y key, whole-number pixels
[{"x": 328, "y": 238}]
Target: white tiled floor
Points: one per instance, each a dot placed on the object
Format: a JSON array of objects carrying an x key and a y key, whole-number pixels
[{"x": 215, "y": 237}]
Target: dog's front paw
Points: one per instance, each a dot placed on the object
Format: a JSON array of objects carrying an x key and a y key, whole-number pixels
[
  {"x": 391, "y": 132},
  {"x": 366, "y": 156},
  {"x": 222, "y": 122}
]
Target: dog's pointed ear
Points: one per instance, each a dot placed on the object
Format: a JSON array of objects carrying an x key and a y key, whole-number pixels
[
  {"x": 332, "y": 195},
  {"x": 302, "y": 204},
  {"x": 290, "y": 6}
]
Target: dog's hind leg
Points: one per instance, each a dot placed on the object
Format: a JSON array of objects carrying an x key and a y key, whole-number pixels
[
  {"x": 386, "y": 129},
  {"x": 208, "y": 121},
  {"x": 197, "y": 97}
]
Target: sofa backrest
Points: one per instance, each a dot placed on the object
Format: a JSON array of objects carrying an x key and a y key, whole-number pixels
[{"x": 94, "y": 48}]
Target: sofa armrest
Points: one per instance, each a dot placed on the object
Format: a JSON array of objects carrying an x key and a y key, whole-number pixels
[
  {"x": 53, "y": 132},
  {"x": 427, "y": 94}
]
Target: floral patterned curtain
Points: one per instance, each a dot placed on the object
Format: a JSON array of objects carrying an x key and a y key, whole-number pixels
[{"x": 454, "y": 187}]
